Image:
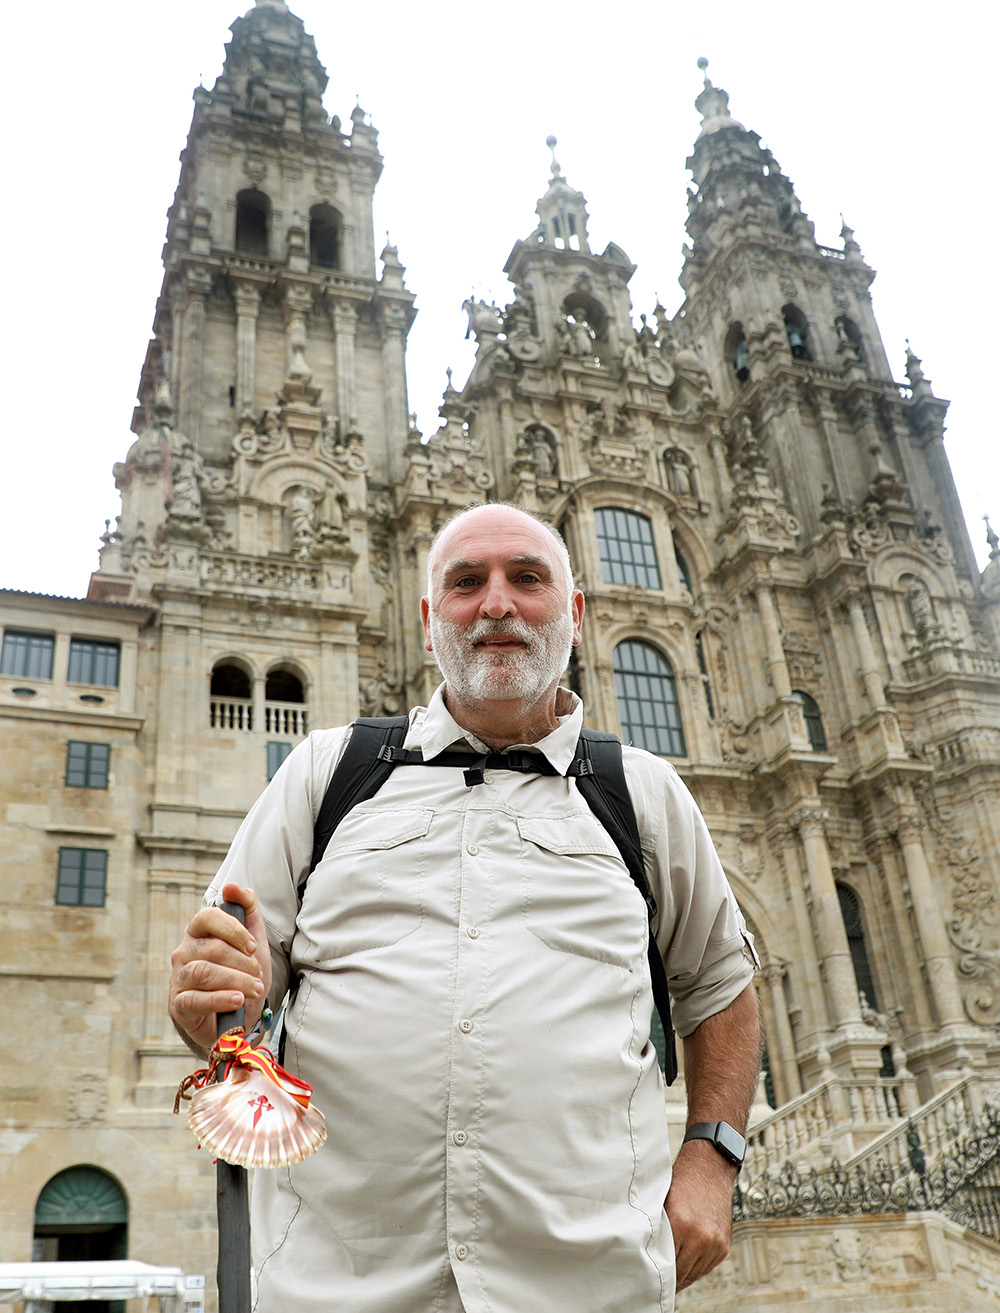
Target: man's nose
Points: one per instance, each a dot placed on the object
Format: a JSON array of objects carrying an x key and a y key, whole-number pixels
[{"x": 498, "y": 599}]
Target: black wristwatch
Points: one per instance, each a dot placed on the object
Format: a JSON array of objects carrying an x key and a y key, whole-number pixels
[{"x": 726, "y": 1139}]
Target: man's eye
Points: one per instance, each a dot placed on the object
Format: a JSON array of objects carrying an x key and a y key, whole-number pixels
[
  {"x": 528, "y": 578},
  {"x": 467, "y": 581}
]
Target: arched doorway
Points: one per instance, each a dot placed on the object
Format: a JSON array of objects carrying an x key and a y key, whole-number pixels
[{"x": 82, "y": 1217}]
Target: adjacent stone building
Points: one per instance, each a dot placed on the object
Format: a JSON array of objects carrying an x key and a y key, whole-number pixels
[{"x": 782, "y": 598}]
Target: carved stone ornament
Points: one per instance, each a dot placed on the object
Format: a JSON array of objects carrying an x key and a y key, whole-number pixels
[
  {"x": 88, "y": 1100},
  {"x": 974, "y": 926}
]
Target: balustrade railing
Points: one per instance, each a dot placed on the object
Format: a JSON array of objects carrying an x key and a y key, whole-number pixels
[
  {"x": 231, "y": 713},
  {"x": 938, "y": 1123},
  {"x": 837, "y": 1113},
  {"x": 287, "y": 719}
]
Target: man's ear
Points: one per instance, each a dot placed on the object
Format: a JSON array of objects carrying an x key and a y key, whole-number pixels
[
  {"x": 425, "y": 616},
  {"x": 577, "y": 606}
]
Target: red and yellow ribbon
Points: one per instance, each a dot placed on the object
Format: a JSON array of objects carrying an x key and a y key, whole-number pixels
[{"x": 232, "y": 1050}]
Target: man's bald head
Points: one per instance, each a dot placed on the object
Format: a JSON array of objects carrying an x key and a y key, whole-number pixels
[{"x": 484, "y": 510}]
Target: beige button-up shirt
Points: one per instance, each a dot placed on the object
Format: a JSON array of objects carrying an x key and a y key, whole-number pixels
[{"x": 474, "y": 1014}]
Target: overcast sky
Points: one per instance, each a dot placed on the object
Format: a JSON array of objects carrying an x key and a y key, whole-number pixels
[{"x": 882, "y": 112}]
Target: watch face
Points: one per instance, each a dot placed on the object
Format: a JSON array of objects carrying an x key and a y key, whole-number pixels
[{"x": 732, "y": 1144}]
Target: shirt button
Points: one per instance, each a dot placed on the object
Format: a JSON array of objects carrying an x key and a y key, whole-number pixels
[
  {"x": 472, "y": 850},
  {"x": 473, "y": 932},
  {"x": 465, "y": 1026},
  {"x": 460, "y": 1137},
  {"x": 487, "y": 779},
  {"x": 461, "y": 1251}
]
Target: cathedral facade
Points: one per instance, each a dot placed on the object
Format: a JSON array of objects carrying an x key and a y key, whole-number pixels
[{"x": 782, "y": 599}]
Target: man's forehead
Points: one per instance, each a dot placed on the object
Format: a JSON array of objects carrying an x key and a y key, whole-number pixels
[{"x": 499, "y": 532}]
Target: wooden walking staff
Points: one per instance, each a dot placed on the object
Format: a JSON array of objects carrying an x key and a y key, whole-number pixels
[
  {"x": 248, "y": 1111},
  {"x": 232, "y": 1195}
]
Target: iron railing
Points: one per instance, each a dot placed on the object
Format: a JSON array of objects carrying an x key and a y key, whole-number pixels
[{"x": 963, "y": 1183}]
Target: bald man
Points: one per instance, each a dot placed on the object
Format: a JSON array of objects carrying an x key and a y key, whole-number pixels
[{"x": 474, "y": 1004}]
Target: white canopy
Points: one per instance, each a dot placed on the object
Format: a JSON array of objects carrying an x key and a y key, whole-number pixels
[{"x": 61, "y": 1282}]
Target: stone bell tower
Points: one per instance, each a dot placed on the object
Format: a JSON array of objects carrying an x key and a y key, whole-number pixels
[
  {"x": 273, "y": 391},
  {"x": 272, "y": 420}
]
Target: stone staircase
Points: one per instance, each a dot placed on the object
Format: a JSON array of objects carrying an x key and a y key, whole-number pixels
[{"x": 859, "y": 1122}]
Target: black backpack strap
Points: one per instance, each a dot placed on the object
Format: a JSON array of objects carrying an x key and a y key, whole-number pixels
[
  {"x": 367, "y": 763},
  {"x": 600, "y": 777}
]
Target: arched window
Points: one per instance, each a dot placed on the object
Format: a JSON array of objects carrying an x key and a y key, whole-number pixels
[
  {"x": 813, "y": 719},
  {"x": 324, "y": 237},
  {"x": 850, "y": 910},
  {"x": 848, "y": 331},
  {"x": 628, "y": 554},
  {"x": 283, "y": 686},
  {"x": 284, "y": 704},
  {"x": 230, "y": 681},
  {"x": 230, "y": 693},
  {"x": 738, "y": 353},
  {"x": 797, "y": 332},
  {"x": 82, "y": 1217},
  {"x": 253, "y": 219},
  {"x": 647, "y": 699}
]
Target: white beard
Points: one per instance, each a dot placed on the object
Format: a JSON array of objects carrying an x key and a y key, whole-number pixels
[{"x": 479, "y": 675}]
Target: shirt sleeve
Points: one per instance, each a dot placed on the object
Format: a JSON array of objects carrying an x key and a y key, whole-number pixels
[
  {"x": 706, "y": 947},
  {"x": 272, "y": 850}
]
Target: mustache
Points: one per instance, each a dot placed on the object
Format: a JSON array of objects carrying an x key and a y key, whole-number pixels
[{"x": 500, "y": 629}]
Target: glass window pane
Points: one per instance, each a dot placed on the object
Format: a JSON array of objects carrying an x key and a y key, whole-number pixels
[
  {"x": 82, "y": 877},
  {"x": 628, "y": 553},
  {"x": 27, "y": 656},
  {"x": 276, "y": 754},
  {"x": 92, "y": 662},
  {"x": 87, "y": 765},
  {"x": 647, "y": 699}
]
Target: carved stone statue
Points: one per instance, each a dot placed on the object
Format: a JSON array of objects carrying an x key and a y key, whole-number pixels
[
  {"x": 565, "y": 335},
  {"x": 332, "y": 505},
  {"x": 484, "y": 320},
  {"x": 921, "y": 611},
  {"x": 302, "y": 510},
  {"x": 188, "y": 473},
  {"x": 545, "y": 460},
  {"x": 581, "y": 336},
  {"x": 679, "y": 476}
]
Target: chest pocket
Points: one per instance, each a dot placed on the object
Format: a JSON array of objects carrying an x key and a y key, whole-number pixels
[
  {"x": 579, "y": 897},
  {"x": 367, "y": 892}
]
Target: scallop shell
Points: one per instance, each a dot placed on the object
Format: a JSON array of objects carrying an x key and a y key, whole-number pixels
[{"x": 249, "y": 1121}]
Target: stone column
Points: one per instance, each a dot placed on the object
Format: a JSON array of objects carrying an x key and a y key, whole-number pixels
[
  {"x": 870, "y": 676},
  {"x": 397, "y": 420},
  {"x": 938, "y": 962},
  {"x": 192, "y": 353},
  {"x": 882, "y": 849},
  {"x": 780, "y": 680},
  {"x": 717, "y": 448},
  {"x": 247, "y": 309},
  {"x": 834, "y": 952},
  {"x": 345, "y": 323},
  {"x": 783, "y": 1063},
  {"x": 815, "y": 1014}
]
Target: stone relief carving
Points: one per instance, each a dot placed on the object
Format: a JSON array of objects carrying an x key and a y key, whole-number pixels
[
  {"x": 381, "y": 696},
  {"x": 88, "y": 1099},
  {"x": 974, "y": 926}
]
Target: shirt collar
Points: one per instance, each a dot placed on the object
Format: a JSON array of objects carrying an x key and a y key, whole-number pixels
[{"x": 435, "y": 730}]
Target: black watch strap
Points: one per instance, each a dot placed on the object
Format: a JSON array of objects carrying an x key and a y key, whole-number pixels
[{"x": 726, "y": 1139}]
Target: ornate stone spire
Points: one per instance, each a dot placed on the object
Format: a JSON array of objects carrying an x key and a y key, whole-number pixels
[
  {"x": 713, "y": 105},
  {"x": 562, "y": 212}
]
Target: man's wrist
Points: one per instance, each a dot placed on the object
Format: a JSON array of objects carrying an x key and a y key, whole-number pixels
[{"x": 724, "y": 1139}]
